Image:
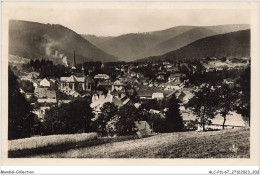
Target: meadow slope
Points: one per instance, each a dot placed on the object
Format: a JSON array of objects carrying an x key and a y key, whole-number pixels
[{"x": 212, "y": 144}]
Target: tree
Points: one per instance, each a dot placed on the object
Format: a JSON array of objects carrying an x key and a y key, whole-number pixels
[
  {"x": 204, "y": 105},
  {"x": 71, "y": 118},
  {"x": 244, "y": 87},
  {"x": 20, "y": 118},
  {"x": 26, "y": 86},
  {"x": 158, "y": 123},
  {"x": 112, "y": 125},
  {"x": 223, "y": 59},
  {"x": 151, "y": 104},
  {"x": 226, "y": 99},
  {"x": 173, "y": 116},
  {"x": 108, "y": 111},
  {"x": 32, "y": 99},
  {"x": 128, "y": 115},
  {"x": 46, "y": 69}
]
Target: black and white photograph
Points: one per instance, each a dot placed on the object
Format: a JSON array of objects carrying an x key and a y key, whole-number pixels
[{"x": 130, "y": 82}]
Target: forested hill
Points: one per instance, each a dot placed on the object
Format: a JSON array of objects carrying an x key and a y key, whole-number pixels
[
  {"x": 51, "y": 41},
  {"x": 180, "y": 41},
  {"x": 132, "y": 46},
  {"x": 235, "y": 44},
  {"x": 129, "y": 46}
]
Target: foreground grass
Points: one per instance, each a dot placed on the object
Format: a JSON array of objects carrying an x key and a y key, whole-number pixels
[
  {"x": 20, "y": 147},
  {"x": 214, "y": 144},
  {"x": 34, "y": 151},
  {"x": 52, "y": 140}
]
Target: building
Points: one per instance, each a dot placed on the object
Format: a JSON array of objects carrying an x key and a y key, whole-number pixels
[
  {"x": 45, "y": 95},
  {"x": 99, "y": 99},
  {"x": 172, "y": 69},
  {"x": 45, "y": 83},
  {"x": 33, "y": 75},
  {"x": 166, "y": 63},
  {"x": 157, "y": 96},
  {"x": 49, "y": 83},
  {"x": 210, "y": 69},
  {"x": 176, "y": 77},
  {"x": 144, "y": 94},
  {"x": 143, "y": 128},
  {"x": 229, "y": 82},
  {"x": 63, "y": 102},
  {"x": 118, "y": 93},
  {"x": 75, "y": 83},
  {"x": 102, "y": 76},
  {"x": 36, "y": 83},
  {"x": 41, "y": 112},
  {"x": 105, "y": 85},
  {"x": 78, "y": 82},
  {"x": 39, "y": 91},
  {"x": 118, "y": 85}
]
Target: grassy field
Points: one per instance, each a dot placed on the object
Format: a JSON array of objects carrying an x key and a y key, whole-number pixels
[
  {"x": 61, "y": 147},
  {"x": 33, "y": 145},
  {"x": 214, "y": 144}
]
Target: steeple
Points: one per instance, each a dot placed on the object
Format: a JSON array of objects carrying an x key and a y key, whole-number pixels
[{"x": 73, "y": 67}]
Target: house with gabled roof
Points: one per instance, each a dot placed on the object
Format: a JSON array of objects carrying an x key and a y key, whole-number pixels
[
  {"x": 143, "y": 128},
  {"x": 118, "y": 85},
  {"x": 99, "y": 99},
  {"x": 45, "y": 83},
  {"x": 118, "y": 93}
]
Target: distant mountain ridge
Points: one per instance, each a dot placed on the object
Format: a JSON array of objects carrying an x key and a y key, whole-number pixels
[
  {"x": 96, "y": 40},
  {"x": 51, "y": 41},
  {"x": 235, "y": 44},
  {"x": 180, "y": 41},
  {"x": 129, "y": 47}
]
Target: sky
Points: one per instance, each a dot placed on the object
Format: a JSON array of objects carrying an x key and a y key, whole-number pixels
[{"x": 114, "y": 22}]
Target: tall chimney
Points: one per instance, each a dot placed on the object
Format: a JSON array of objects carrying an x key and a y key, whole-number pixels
[{"x": 73, "y": 67}]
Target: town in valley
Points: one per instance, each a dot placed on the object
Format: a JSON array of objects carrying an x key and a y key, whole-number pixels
[{"x": 67, "y": 101}]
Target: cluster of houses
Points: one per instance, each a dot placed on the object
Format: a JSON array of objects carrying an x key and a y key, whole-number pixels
[{"x": 78, "y": 85}]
